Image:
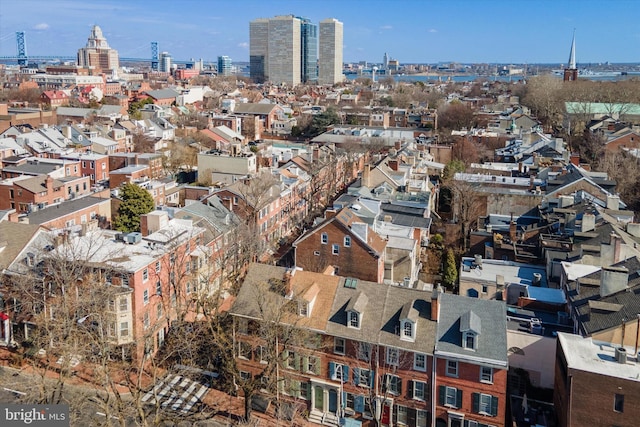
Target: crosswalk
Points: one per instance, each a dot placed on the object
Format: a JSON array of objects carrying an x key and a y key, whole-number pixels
[{"x": 176, "y": 392}]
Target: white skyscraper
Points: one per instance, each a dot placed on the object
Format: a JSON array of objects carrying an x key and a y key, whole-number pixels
[
  {"x": 284, "y": 50},
  {"x": 330, "y": 62}
]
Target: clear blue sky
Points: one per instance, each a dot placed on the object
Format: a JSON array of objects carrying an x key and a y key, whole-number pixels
[{"x": 412, "y": 31}]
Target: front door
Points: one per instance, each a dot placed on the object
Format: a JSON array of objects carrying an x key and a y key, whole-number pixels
[
  {"x": 319, "y": 398},
  {"x": 333, "y": 401}
]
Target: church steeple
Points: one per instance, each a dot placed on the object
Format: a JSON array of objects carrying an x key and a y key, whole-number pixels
[{"x": 571, "y": 72}]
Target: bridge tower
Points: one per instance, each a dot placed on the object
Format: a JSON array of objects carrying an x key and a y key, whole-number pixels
[
  {"x": 22, "y": 48},
  {"x": 154, "y": 56}
]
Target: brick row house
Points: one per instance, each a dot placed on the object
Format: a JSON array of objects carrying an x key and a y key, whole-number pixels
[{"x": 367, "y": 355}]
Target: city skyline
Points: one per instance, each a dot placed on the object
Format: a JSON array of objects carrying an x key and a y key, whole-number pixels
[{"x": 411, "y": 31}]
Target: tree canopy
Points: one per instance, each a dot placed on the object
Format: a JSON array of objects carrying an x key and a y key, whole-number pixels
[
  {"x": 136, "y": 201},
  {"x": 450, "y": 270}
]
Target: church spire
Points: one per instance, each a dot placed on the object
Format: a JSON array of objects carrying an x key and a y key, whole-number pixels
[{"x": 572, "y": 54}]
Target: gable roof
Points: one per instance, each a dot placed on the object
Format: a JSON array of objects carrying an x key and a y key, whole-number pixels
[
  {"x": 458, "y": 314},
  {"x": 162, "y": 94},
  {"x": 16, "y": 237},
  {"x": 254, "y": 108}
]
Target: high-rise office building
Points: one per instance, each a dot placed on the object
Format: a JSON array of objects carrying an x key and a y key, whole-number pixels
[
  {"x": 330, "y": 57},
  {"x": 258, "y": 49},
  {"x": 165, "y": 62},
  {"x": 284, "y": 53},
  {"x": 309, "y": 50},
  {"x": 224, "y": 66},
  {"x": 97, "y": 53}
]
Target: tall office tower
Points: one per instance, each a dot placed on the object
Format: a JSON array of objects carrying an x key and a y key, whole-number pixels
[
  {"x": 165, "y": 62},
  {"x": 385, "y": 62},
  {"x": 97, "y": 53},
  {"x": 330, "y": 59},
  {"x": 224, "y": 66},
  {"x": 284, "y": 58},
  {"x": 309, "y": 50},
  {"x": 258, "y": 50}
]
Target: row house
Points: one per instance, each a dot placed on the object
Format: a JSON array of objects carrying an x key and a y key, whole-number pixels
[
  {"x": 93, "y": 165},
  {"x": 267, "y": 114},
  {"x": 471, "y": 362},
  {"x": 160, "y": 272},
  {"x": 29, "y": 193},
  {"x": 25, "y": 116},
  {"x": 54, "y": 98},
  {"x": 365, "y": 353},
  {"x": 152, "y": 160},
  {"x": 345, "y": 243},
  {"x": 86, "y": 212}
]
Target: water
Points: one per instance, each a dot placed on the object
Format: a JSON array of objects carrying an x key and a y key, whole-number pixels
[{"x": 433, "y": 79}]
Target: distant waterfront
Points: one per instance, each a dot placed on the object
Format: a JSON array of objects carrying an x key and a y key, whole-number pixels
[{"x": 461, "y": 78}]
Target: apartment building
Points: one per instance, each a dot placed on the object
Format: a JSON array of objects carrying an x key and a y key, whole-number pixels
[{"x": 330, "y": 62}]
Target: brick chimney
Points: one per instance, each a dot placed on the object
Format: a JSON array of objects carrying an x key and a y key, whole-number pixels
[
  {"x": 393, "y": 164},
  {"x": 366, "y": 175},
  {"x": 144, "y": 225},
  {"x": 435, "y": 309}
]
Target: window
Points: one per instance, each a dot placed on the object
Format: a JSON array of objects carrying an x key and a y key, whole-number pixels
[
  {"x": 421, "y": 418},
  {"x": 145, "y": 274},
  {"x": 124, "y": 304},
  {"x": 420, "y": 362},
  {"x": 338, "y": 372},
  {"x": 145, "y": 297},
  {"x": 484, "y": 404},
  {"x": 324, "y": 238},
  {"x": 469, "y": 341},
  {"x": 124, "y": 329},
  {"x": 486, "y": 374},
  {"x": 312, "y": 365},
  {"x": 145, "y": 320},
  {"x": 347, "y": 241},
  {"x": 452, "y": 368},
  {"x": 157, "y": 266},
  {"x": 451, "y": 397},
  {"x": 618, "y": 403},
  {"x": 364, "y": 351},
  {"x": 261, "y": 354},
  {"x": 393, "y": 384},
  {"x": 316, "y": 253},
  {"x": 158, "y": 288},
  {"x": 112, "y": 305},
  {"x": 485, "y": 289},
  {"x": 407, "y": 329},
  {"x": 291, "y": 360},
  {"x": 244, "y": 350},
  {"x": 393, "y": 356},
  {"x": 159, "y": 310},
  {"x": 245, "y": 375},
  {"x": 354, "y": 320},
  {"x": 401, "y": 414},
  {"x": 362, "y": 377},
  {"x": 243, "y": 326},
  {"x": 419, "y": 390},
  {"x": 335, "y": 249},
  {"x": 303, "y": 308},
  {"x": 125, "y": 279},
  {"x": 339, "y": 345}
]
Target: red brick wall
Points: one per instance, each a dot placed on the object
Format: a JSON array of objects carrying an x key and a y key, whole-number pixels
[
  {"x": 468, "y": 381},
  {"x": 354, "y": 261}
]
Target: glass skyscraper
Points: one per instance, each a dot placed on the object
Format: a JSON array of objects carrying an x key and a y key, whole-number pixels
[{"x": 309, "y": 50}]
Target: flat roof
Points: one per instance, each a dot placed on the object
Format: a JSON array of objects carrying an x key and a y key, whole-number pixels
[{"x": 584, "y": 354}]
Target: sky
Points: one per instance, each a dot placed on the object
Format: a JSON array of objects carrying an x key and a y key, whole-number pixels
[{"x": 411, "y": 31}]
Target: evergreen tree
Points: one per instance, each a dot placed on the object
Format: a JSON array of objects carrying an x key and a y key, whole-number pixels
[
  {"x": 136, "y": 201},
  {"x": 450, "y": 270}
]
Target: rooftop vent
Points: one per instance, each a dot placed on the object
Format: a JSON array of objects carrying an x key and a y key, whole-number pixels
[{"x": 621, "y": 355}]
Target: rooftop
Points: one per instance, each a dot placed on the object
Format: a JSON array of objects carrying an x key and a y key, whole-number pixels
[{"x": 584, "y": 354}]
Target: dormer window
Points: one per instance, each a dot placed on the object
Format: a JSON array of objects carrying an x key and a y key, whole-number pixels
[
  {"x": 469, "y": 341},
  {"x": 303, "y": 308},
  {"x": 408, "y": 320},
  {"x": 407, "y": 330},
  {"x": 354, "y": 320},
  {"x": 470, "y": 327}
]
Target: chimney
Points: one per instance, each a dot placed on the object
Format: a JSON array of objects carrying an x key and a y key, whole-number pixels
[
  {"x": 398, "y": 145},
  {"x": 144, "y": 225},
  {"x": 613, "y": 202},
  {"x": 316, "y": 153},
  {"x": 633, "y": 228},
  {"x": 575, "y": 159},
  {"x": 49, "y": 184},
  {"x": 366, "y": 175},
  {"x": 513, "y": 231},
  {"x": 329, "y": 213},
  {"x": 616, "y": 241},
  {"x": 393, "y": 164},
  {"x": 588, "y": 222},
  {"x": 435, "y": 306},
  {"x": 613, "y": 280}
]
